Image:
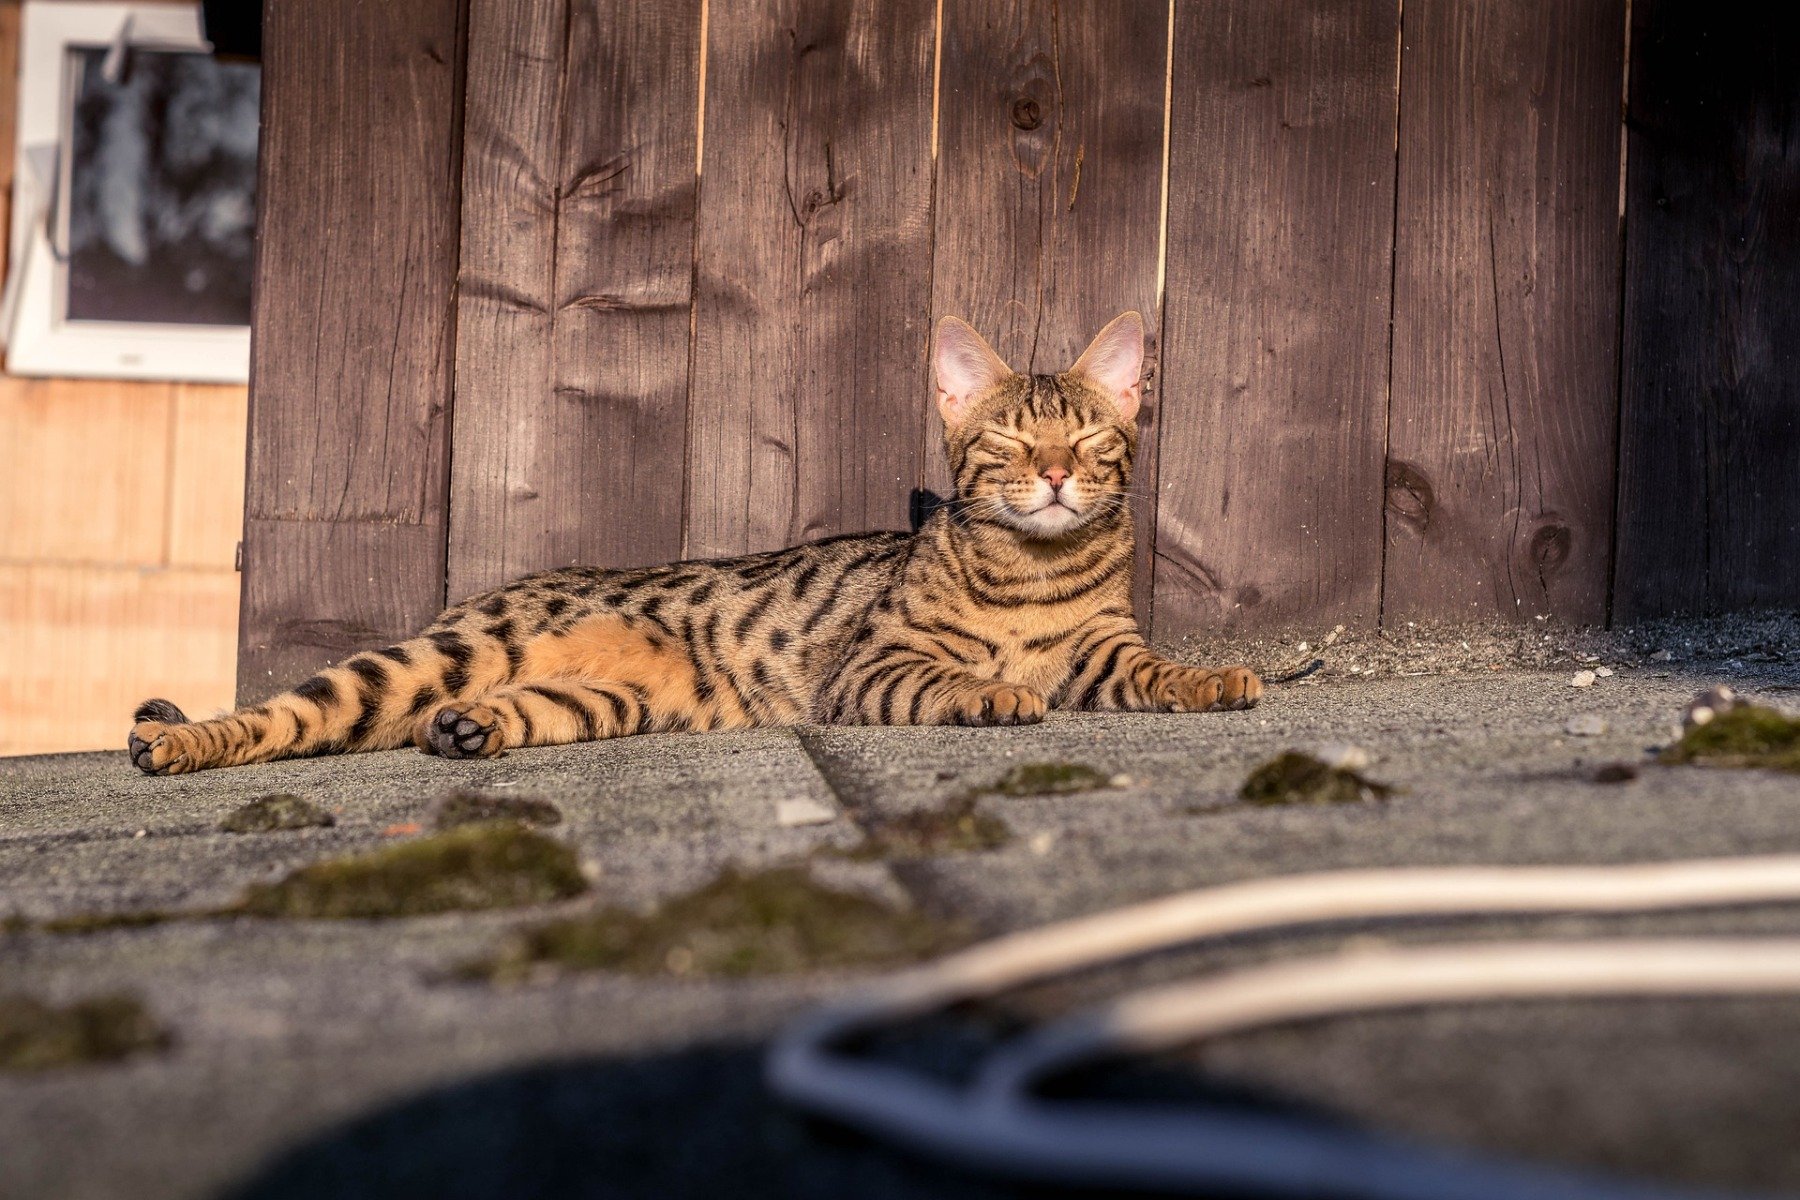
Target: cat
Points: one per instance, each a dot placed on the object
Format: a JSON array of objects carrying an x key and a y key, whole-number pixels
[{"x": 1012, "y": 599}]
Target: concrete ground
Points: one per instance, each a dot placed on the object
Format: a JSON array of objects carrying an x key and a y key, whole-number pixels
[{"x": 331, "y": 1059}]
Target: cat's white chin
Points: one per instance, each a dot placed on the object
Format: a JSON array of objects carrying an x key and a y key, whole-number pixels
[{"x": 1051, "y": 520}]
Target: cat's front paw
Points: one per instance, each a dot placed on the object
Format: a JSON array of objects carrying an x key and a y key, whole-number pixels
[
  {"x": 999, "y": 704},
  {"x": 156, "y": 743},
  {"x": 472, "y": 732},
  {"x": 1212, "y": 690}
]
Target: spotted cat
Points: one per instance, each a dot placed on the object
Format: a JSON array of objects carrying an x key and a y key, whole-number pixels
[{"x": 1012, "y": 599}]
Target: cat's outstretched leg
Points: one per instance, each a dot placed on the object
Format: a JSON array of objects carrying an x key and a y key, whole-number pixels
[
  {"x": 1120, "y": 672},
  {"x": 552, "y": 713},
  {"x": 913, "y": 688},
  {"x": 370, "y": 701}
]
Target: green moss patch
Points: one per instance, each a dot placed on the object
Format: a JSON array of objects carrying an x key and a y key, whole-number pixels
[
  {"x": 466, "y": 808},
  {"x": 956, "y": 827},
  {"x": 1296, "y": 778},
  {"x": 1745, "y": 735},
  {"x": 268, "y": 814},
  {"x": 494, "y": 864},
  {"x": 35, "y": 1036},
  {"x": 769, "y": 923},
  {"x": 1048, "y": 779}
]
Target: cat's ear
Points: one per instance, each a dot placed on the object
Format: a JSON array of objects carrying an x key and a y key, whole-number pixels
[
  {"x": 1114, "y": 360},
  {"x": 965, "y": 366}
]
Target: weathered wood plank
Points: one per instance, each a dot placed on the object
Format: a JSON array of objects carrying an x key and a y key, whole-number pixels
[
  {"x": 1709, "y": 487},
  {"x": 813, "y": 259},
  {"x": 577, "y": 262},
  {"x": 1049, "y": 172},
  {"x": 351, "y": 378},
  {"x": 1281, "y": 183},
  {"x": 1503, "y": 415}
]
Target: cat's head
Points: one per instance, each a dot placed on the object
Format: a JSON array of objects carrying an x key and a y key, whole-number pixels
[{"x": 1041, "y": 454}]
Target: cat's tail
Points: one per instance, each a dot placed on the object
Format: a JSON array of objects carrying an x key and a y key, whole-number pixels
[{"x": 371, "y": 701}]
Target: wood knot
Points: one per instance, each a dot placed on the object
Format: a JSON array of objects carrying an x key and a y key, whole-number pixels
[
  {"x": 1409, "y": 494},
  {"x": 1026, "y": 114},
  {"x": 820, "y": 199},
  {"x": 1549, "y": 547}
]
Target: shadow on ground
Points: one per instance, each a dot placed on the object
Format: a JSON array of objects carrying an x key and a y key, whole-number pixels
[{"x": 692, "y": 1123}]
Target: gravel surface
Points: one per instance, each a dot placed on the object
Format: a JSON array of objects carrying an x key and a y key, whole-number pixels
[{"x": 336, "y": 1058}]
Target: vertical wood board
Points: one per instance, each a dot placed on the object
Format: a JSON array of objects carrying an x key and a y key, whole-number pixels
[
  {"x": 1505, "y": 363},
  {"x": 1709, "y": 467},
  {"x": 1050, "y": 122},
  {"x": 1275, "y": 315},
  {"x": 353, "y": 330},
  {"x": 813, "y": 265},
  {"x": 573, "y": 326}
]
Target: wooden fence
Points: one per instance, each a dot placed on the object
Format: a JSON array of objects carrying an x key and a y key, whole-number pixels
[{"x": 619, "y": 281}]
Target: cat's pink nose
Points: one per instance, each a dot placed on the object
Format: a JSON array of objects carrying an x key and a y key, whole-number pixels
[{"x": 1056, "y": 475}]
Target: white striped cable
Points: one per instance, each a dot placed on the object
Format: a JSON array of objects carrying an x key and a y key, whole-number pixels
[{"x": 997, "y": 1126}]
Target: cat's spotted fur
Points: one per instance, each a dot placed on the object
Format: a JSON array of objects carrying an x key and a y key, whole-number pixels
[{"x": 1012, "y": 600}]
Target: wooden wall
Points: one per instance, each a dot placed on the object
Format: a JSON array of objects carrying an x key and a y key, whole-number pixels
[
  {"x": 120, "y": 510},
  {"x": 1709, "y": 503},
  {"x": 552, "y": 281}
]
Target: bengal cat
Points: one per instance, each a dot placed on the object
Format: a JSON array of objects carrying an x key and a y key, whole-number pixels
[{"x": 1012, "y": 599}]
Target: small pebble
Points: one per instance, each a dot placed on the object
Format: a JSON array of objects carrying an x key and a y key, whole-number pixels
[
  {"x": 1342, "y": 756},
  {"x": 141, "y": 833},
  {"x": 1663, "y": 656},
  {"x": 1582, "y": 679},
  {"x": 1041, "y": 842},
  {"x": 1603, "y": 672},
  {"x": 1586, "y": 725},
  {"x": 790, "y": 813},
  {"x": 1707, "y": 705}
]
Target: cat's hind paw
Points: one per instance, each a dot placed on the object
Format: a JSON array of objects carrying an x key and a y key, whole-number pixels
[
  {"x": 472, "y": 732},
  {"x": 153, "y": 748}
]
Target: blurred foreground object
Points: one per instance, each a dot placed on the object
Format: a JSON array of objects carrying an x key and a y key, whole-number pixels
[{"x": 1003, "y": 1122}]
